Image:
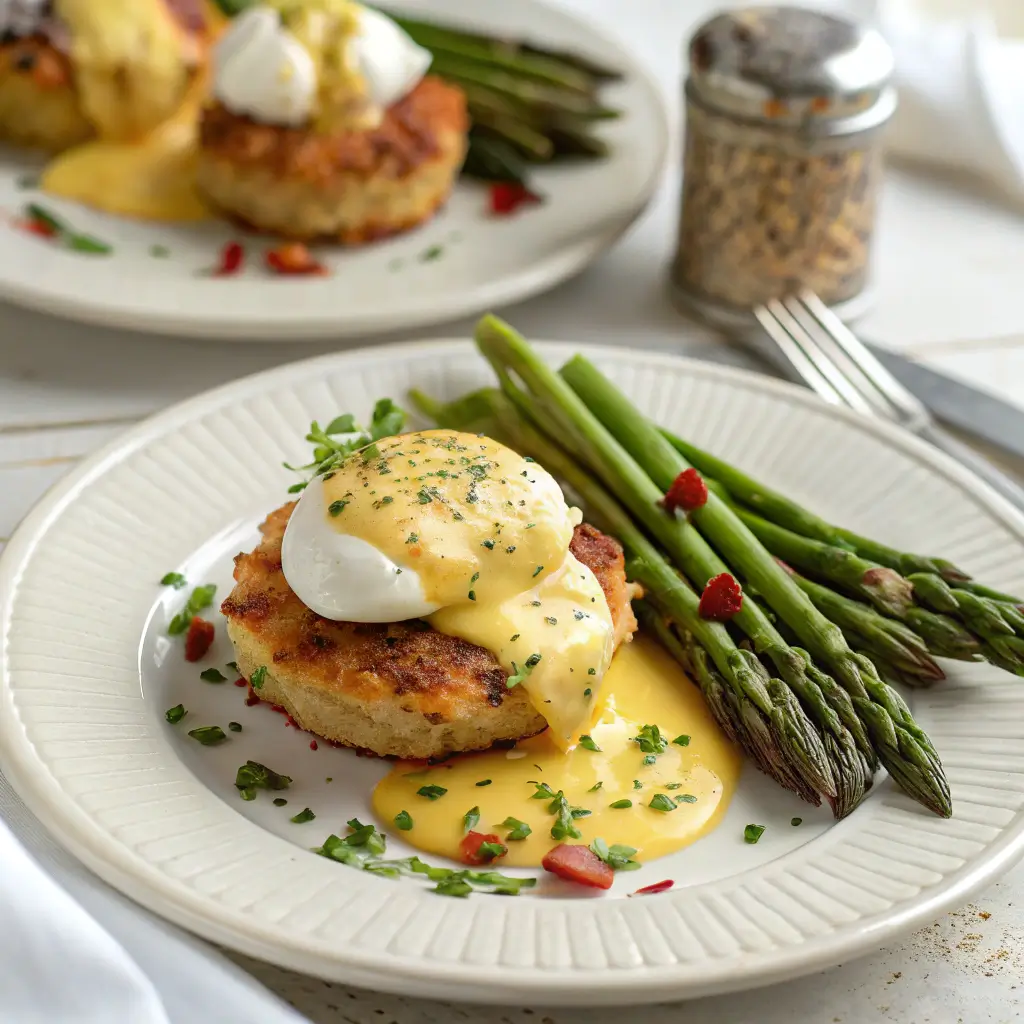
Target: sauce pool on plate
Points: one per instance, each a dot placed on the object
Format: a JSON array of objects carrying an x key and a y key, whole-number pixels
[{"x": 644, "y": 687}]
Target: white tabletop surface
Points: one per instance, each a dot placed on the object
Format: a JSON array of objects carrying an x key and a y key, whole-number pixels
[{"x": 949, "y": 269}]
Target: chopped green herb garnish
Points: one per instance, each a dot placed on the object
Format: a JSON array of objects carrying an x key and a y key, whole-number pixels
[
  {"x": 174, "y": 579},
  {"x": 235, "y": 726},
  {"x": 335, "y": 507},
  {"x": 208, "y": 735},
  {"x": 175, "y": 714},
  {"x": 403, "y": 821},
  {"x": 199, "y": 599},
  {"x": 682, "y": 741},
  {"x": 453, "y": 886},
  {"x": 661, "y": 802},
  {"x": 618, "y": 805},
  {"x": 591, "y": 671},
  {"x": 258, "y": 676},
  {"x": 489, "y": 544},
  {"x": 471, "y": 819},
  {"x": 484, "y": 782},
  {"x": 686, "y": 798},
  {"x": 587, "y": 692},
  {"x": 519, "y": 829},
  {"x": 637, "y": 784},
  {"x": 617, "y": 857},
  {"x": 796, "y": 821},
  {"x": 752, "y": 833},
  {"x": 279, "y": 801},
  {"x": 650, "y": 759},
  {"x": 544, "y": 791},
  {"x": 412, "y": 538},
  {"x": 538, "y": 570},
  {"x": 472, "y": 595},
  {"x": 253, "y": 775},
  {"x": 519, "y": 674},
  {"x": 302, "y": 817},
  {"x": 595, "y": 787},
  {"x": 232, "y": 666},
  {"x": 563, "y": 827},
  {"x": 213, "y": 675},
  {"x": 551, "y": 620},
  {"x": 431, "y": 792},
  {"x": 512, "y": 639},
  {"x": 434, "y": 252},
  {"x": 650, "y": 740},
  {"x": 488, "y": 851},
  {"x": 159, "y": 252},
  {"x": 587, "y": 742},
  {"x": 673, "y": 785}
]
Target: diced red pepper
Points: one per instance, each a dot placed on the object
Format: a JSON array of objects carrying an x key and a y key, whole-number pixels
[
  {"x": 293, "y": 259},
  {"x": 312, "y": 745},
  {"x": 232, "y": 256},
  {"x": 688, "y": 492},
  {"x": 651, "y": 890},
  {"x": 198, "y": 639},
  {"x": 722, "y": 598},
  {"x": 471, "y": 852},
  {"x": 507, "y": 196},
  {"x": 578, "y": 864},
  {"x": 38, "y": 227}
]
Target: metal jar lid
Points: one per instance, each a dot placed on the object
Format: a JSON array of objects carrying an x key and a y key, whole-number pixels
[{"x": 793, "y": 68}]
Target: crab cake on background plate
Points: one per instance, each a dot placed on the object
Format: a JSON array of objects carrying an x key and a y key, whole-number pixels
[{"x": 324, "y": 124}]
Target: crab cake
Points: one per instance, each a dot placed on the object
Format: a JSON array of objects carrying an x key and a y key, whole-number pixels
[
  {"x": 74, "y": 69},
  {"x": 349, "y": 186},
  {"x": 401, "y": 689}
]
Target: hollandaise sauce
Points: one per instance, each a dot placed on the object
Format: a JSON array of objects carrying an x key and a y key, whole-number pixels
[{"x": 656, "y": 792}]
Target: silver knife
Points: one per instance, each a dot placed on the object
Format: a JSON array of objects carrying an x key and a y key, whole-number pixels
[{"x": 984, "y": 416}]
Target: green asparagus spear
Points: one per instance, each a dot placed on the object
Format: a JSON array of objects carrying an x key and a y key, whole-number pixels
[
  {"x": 897, "y": 738},
  {"x": 546, "y": 97},
  {"x": 883, "y": 587},
  {"x": 491, "y": 159},
  {"x": 780, "y": 510},
  {"x": 431, "y": 35},
  {"x": 899, "y": 645}
]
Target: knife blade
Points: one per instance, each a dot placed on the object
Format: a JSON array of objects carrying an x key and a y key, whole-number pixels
[{"x": 975, "y": 412}]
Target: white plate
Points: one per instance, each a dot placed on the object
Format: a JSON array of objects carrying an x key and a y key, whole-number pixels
[
  {"x": 486, "y": 262},
  {"x": 87, "y": 673}
]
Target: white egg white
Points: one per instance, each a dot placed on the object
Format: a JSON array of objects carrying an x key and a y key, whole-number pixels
[{"x": 343, "y": 577}]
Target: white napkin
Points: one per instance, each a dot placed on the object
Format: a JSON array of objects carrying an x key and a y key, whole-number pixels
[
  {"x": 73, "y": 951},
  {"x": 960, "y": 74}
]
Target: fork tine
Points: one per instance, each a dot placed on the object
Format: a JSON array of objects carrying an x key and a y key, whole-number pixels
[
  {"x": 796, "y": 356},
  {"x": 820, "y": 372},
  {"x": 829, "y": 350},
  {"x": 869, "y": 366}
]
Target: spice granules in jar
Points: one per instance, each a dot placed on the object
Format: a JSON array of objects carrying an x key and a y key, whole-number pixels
[{"x": 782, "y": 160}]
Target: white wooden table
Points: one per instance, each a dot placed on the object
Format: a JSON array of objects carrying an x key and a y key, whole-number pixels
[{"x": 949, "y": 265}]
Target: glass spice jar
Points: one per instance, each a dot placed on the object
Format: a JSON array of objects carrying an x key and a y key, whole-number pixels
[{"x": 784, "y": 111}]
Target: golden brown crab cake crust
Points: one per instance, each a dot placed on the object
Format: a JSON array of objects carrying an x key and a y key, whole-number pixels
[
  {"x": 350, "y": 187},
  {"x": 39, "y": 104},
  {"x": 400, "y": 689}
]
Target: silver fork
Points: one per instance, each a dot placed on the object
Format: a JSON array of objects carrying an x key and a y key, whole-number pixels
[{"x": 832, "y": 361}]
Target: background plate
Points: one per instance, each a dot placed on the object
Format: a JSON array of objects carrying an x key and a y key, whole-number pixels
[
  {"x": 84, "y": 682},
  {"x": 484, "y": 263}
]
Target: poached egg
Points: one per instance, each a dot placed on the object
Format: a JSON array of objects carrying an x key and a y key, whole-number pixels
[
  {"x": 321, "y": 60},
  {"x": 462, "y": 531}
]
